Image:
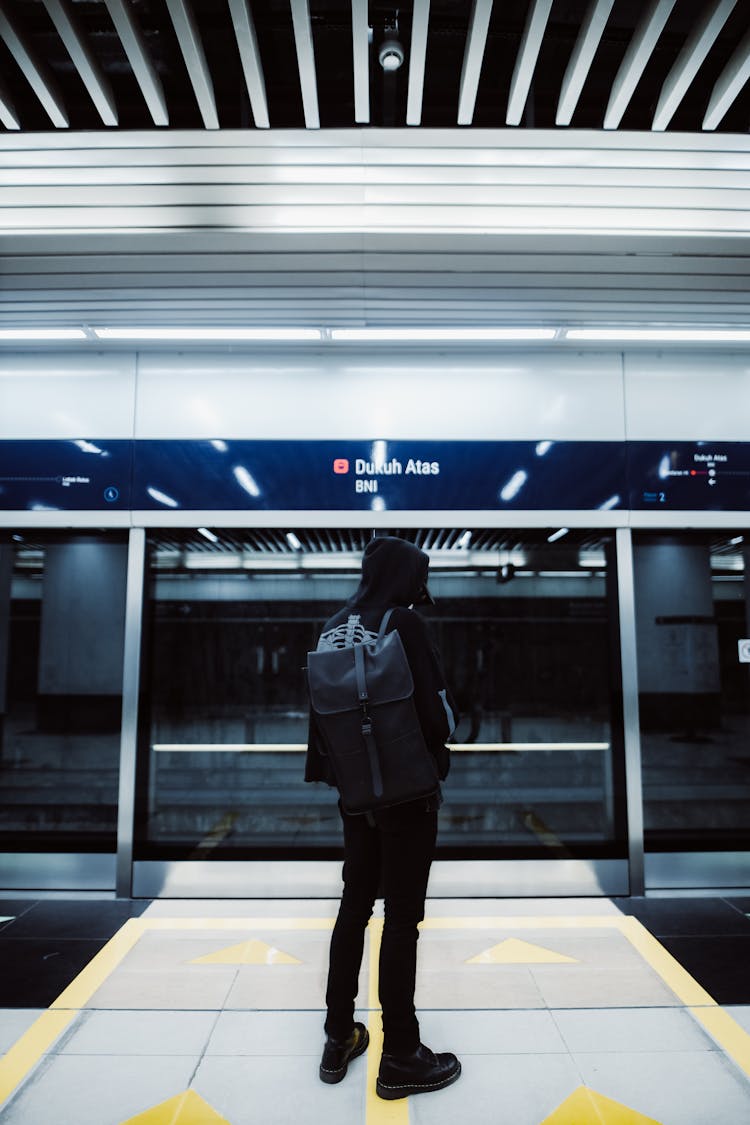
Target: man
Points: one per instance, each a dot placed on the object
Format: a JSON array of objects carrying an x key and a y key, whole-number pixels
[{"x": 396, "y": 844}]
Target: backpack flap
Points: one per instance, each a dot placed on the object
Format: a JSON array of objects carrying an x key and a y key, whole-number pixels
[{"x": 332, "y": 677}]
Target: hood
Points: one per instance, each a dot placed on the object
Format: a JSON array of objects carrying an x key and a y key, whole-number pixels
[{"x": 394, "y": 572}]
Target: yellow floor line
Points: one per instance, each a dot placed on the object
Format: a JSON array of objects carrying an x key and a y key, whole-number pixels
[
  {"x": 26, "y": 1052},
  {"x": 79, "y": 991},
  {"x": 684, "y": 986},
  {"x": 378, "y": 1112}
]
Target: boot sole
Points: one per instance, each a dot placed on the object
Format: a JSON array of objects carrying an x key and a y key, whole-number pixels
[
  {"x": 391, "y": 1093},
  {"x": 333, "y": 1076}
]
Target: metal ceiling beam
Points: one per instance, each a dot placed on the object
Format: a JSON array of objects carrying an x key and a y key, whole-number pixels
[
  {"x": 247, "y": 44},
  {"x": 637, "y": 56},
  {"x": 581, "y": 59},
  {"x": 306, "y": 62},
  {"x": 143, "y": 69},
  {"x": 8, "y": 114},
  {"x": 91, "y": 74},
  {"x": 528, "y": 53},
  {"x": 417, "y": 55},
  {"x": 476, "y": 39},
  {"x": 361, "y": 61},
  {"x": 688, "y": 62},
  {"x": 731, "y": 80},
  {"x": 36, "y": 73},
  {"x": 189, "y": 39}
]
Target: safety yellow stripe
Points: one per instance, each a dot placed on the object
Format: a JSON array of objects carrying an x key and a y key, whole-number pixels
[
  {"x": 685, "y": 987},
  {"x": 25, "y": 1053},
  {"x": 733, "y": 1039},
  {"x": 79, "y": 991}
]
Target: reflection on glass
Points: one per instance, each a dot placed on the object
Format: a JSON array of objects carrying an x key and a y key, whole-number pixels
[
  {"x": 62, "y": 614},
  {"x": 532, "y": 659},
  {"x": 691, "y": 613}
]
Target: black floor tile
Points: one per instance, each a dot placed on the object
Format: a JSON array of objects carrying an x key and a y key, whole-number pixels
[
  {"x": 720, "y": 963},
  {"x": 68, "y": 919},
  {"x": 36, "y": 970},
  {"x": 13, "y": 908},
  {"x": 663, "y": 916}
]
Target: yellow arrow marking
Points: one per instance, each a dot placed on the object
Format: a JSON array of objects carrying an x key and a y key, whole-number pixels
[
  {"x": 247, "y": 953},
  {"x": 586, "y": 1107},
  {"x": 188, "y": 1108},
  {"x": 513, "y": 951}
]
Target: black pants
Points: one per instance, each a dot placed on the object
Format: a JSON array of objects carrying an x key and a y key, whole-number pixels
[{"x": 399, "y": 849}]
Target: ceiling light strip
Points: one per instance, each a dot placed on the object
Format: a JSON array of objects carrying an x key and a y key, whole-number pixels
[
  {"x": 438, "y": 335},
  {"x": 306, "y": 62},
  {"x": 636, "y": 58},
  {"x": 191, "y": 46},
  {"x": 37, "y": 75},
  {"x": 310, "y": 335},
  {"x": 8, "y": 115},
  {"x": 528, "y": 53},
  {"x": 300, "y": 747},
  {"x": 84, "y": 61},
  {"x": 729, "y": 84},
  {"x": 479, "y": 23},
  {"x": 689, "y": 61},
  {"x": 579, "y": 66},
  {"x": 247, "y": 44},
  {"x": 417, "y": 56},
  {"x": 143, "y": 69},
  {"x": 361, "y": 62}
]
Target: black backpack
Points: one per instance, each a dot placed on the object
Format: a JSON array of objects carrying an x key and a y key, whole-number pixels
[{"x": 362, "y": 697}]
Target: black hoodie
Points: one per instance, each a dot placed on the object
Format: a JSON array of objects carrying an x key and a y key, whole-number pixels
[{"x": 394, "y": 576}]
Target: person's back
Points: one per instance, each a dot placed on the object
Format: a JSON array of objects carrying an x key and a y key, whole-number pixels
[{"x": 393, "y": 844}]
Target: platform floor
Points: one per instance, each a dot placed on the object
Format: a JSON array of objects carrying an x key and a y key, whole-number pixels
[{"x": 563, "y": 1012}]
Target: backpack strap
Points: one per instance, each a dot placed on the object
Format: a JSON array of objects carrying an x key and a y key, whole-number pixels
[
  {"x": 384, "y": 623},
  {"x": 367, "y": 735}
]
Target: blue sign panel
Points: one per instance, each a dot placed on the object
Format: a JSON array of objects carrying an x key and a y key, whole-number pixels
[
  {"x": 689, "y": 475},
  {"x": 378, "y": 475},
  {"x": 224, "y": 475},
  {"x": 65, "y": 476}
]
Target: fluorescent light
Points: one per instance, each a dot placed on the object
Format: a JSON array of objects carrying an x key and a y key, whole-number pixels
[
  {"x": 557, "y": 535},
  {"x": 608, "y": 504},
  {"x": 293, "y": 541},
  {"x": 514, "y": 485},
  {"x": 162, "y": 498},
  {"x": 220, "y": 445},
  {"x": 42, "y": 334},
  {"x": 464, "y": 541},
  {"x": 677, "y": 335},
  {"x": 543, "y": 447},
  {"x": 88, "y": 447},
  {"x": 243, "y": 478},
  {"x": 177, "y": 334},
  {"x": 208, "y": 535},
  {"x": 737, "y": 539},
  {"x": 437, "y": 335}
]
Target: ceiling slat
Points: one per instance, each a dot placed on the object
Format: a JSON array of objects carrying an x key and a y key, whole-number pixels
[
  {"x": 479, "y": 24},
  {"x": 581, "y": 59},
  {"x": 528, "y": 53},
  {"x": 637, "y": 56},
  {"x": 417, "y": 56},
  {"x": 143, "y": 69},
  {"x": 361, "y": 61},
  {"x": 689, "y": 60},
  {"x": 8, "y": 115},
  {"x": 189, "y": 39},
  {"x": 306, "y": 62},
  {"x": 247, "y": 44},
  {"x": 85, "y": 63},
  {"x": 730, "y": 82},
  {"x": 36, "y": 73}
]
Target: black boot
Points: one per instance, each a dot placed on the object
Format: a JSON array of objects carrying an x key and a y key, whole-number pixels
[
  {"x": 338, "y": 1053},
  {"x": 417, "y": 1073}
]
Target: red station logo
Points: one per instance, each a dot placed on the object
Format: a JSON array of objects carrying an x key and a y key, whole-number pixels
[{"x": 341, "y": 465}]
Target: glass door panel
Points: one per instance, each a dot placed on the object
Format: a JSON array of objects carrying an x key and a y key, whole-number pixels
[
  {"x": 528, "y": 636},
  {"x": 694, "y": 689}
]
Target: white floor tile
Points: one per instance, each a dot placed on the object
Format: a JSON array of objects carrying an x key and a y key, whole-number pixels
[
  {"x": 740, "y": 1013},
  {"x": 14, "y": 1022},
  {"x": 140, "y": 1033},
  {"x": 630, "y": 1029},
  {"x": 270, "y": 1033},
  {"x": 491, "y": 1033},
  {"x": 684, "y": 1088}
]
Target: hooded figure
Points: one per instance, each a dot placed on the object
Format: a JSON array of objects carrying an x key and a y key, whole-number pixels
[
  {"x": 394, "y": 574},
  {"x": 392, "y": 847}
]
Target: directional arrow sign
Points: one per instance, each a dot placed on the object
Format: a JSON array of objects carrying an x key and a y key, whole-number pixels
[
  {"x": 188, "y": 1108},
  {"x": 247, "y": 953},
  {"x": 586, "y": 1107},
  {"x": 513, "y": 951}
]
